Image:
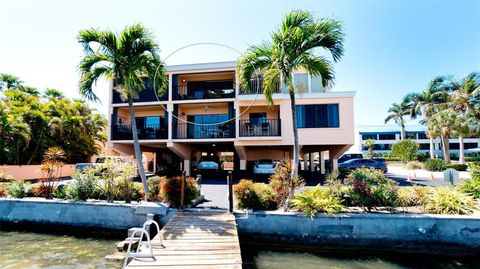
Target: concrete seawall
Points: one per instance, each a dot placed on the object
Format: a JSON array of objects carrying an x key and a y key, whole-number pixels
[
  {"x": 371, "y": 232},
  {"x": 116, "y": 216}
]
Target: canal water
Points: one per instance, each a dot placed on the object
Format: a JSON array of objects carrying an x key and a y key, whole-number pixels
[{"x": 23, "y": 250}]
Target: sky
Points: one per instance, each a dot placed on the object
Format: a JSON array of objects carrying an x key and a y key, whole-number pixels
[{"x": 391, "y": 47}]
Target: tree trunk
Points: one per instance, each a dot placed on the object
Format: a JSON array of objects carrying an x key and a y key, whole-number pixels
[
  {"x": 432, "y": 153},
  {"x": 446, "y": 149},
  {"x": 461, "y": 152},
  {"x": 402, "y": 132},
  {"x": 136, "y": 146},
  {"x": 296, "y": 151}
]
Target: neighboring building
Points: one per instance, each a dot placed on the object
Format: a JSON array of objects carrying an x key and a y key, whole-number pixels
[
  {"x": 385, "y": 136},
  {"x": 251, "y": 130}
]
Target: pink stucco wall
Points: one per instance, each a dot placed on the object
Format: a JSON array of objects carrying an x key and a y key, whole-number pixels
[{"x": 33, "y": 171}]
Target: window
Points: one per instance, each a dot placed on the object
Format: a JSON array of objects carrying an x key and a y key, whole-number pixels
[
  {"x": 318, "y": 116},
  {"x": 149, "y": 122},
  {"x": 369, "y": 136},
  {"x": 422, "y": 136},
  {"x": 411, "y": 136},
  {"x": 465, "y": 145},
  {"x": 386, "y": 137},
  {"x": 301, "y": 82},
  {"x": 207, "y": 131},
  {"x": 257, "y": 118},
  {"x": 316, "y": 84},
  {"x": 424, "y": 146}
]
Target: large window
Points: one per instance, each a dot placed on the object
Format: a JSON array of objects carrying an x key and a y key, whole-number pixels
[
  {"x": 301, "y": 82},
  {"x": 318, "y": 116},
  {"x": 386, "y": 137},
  {"x": 211, "y": 130},
  {"x": 316, "y": 84},
  {"x": 422, "y": 136},
  {"x": 369, "y": 136}
]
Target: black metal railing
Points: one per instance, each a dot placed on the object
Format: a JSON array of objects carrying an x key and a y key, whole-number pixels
[
  {"x": 149, "y": 131},
  {"x": 256, "y": 86},
  {"x": 184, "y": 130},
  {"x": 206, "y": 90},
  {"x": 260, "y": 127}
]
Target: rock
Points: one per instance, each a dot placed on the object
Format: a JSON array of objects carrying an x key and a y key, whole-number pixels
[
  {"x": 117, "y": 256},
  {"x": 123, "y": 245}
]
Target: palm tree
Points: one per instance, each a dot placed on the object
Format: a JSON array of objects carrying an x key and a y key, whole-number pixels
[
  {"x": 397, "y": 114},
  {"x": 369, "y": 144},
  {"x": 128, "y": 58},
  {"x": 444, "y": 124},
  {"x": 8, "y": 81},
  {"x": 293, "y": 47},
  {"x": 433, "y": 99}
]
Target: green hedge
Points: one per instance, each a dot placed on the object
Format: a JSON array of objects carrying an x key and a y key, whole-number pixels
[{"x": 458, "y": 167}]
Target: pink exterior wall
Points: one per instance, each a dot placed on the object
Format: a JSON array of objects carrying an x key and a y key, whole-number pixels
[{"x": 34, "y": 171}]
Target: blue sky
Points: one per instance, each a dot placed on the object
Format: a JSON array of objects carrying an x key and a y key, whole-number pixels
[{"x": 391, "y": 47}]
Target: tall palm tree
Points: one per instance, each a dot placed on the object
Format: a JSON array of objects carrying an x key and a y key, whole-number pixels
[
  {"x": 8, "y": 81},
  {"x": 444, "y": 124},
  {"x": 127, "y": 57},
  {"x": 369, "y": 143},
  {"x": 397, "y": 114},
  {"x": 293, "y": 47},
  {"x": 433, "y": 99}
]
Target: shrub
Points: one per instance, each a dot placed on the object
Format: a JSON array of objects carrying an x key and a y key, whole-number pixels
[
  {"x": 343, "y": 172},
  {"x": 256, "y": 196},
  {"x": 127, "y": 190},
  {"x": 19, "y": 189},
  {"x": 283, "y": 185},
  {"x": 421, "y": 157},
  {"x": 317, "y": 200},
  {"x": 412, "y": 196},
  {"x": 60, "y": 192},
  {"x": 171, "y": 191},
  {"x": 154, "y": 183},
  {"x": 405, "y": 150},
  {"x": 472, "y": 186},
  {"x": 370, "y": 188},
  {"x": 414, "y": 165},
  {"x": 83, "y": 185},
  {"x": 448, "y": 200},
  {"x": 472, "y": 159},
  {"x": 458, "y": 166},
  {"x": 435, "y": 165}
]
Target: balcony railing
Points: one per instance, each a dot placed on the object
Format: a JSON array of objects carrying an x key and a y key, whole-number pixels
[
  {"x": 207, "y": 90},
  {"x": 149, "y": 131},
  {"x": 260, "y": 127},
  {"x": 191, "y": 131},
  {"x": 256, "y": 86}
]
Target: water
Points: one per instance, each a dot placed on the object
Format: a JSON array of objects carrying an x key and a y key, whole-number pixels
[
  {"x": 290, "y": 260},
  {"x": 21, "y": 250}
]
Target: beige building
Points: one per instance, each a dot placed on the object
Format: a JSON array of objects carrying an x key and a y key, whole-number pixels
[{"x": 205, "y": 112}]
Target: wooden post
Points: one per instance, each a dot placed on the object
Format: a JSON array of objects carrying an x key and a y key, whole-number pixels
[
  {"x": 230, "y": 194},
  {"x": 182, "y": 189}
]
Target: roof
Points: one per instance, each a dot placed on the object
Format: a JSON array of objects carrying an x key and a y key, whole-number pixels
[
  {"x": 214, "y": 65},
  {"x": 390, "y": 129}
]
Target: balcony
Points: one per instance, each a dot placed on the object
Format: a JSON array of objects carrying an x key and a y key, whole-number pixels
[
  {"x": 256, "y": 86},
  {"x": 149, "y": 131},
  {"x": 147, "y": 95},
  {"x": 204, "y": 90},
  {"x": 216, "y": 131},
  {"x": 261, "y": 127}
]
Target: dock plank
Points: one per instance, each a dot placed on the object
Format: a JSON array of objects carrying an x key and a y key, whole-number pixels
[{"x": 196, "y": 240}]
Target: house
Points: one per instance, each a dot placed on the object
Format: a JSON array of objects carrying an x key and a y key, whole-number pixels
[
  {"x": 385, "y": 136},
  {"x": 205, "y": 112}
]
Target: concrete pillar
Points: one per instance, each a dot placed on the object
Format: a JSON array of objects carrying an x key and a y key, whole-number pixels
[
  {"x": 321, "y": 160},
  {"x": 312, "y": 163},
  {"x": 335, "y": 164},
  {"x": 306, "y": 159},
  {"x": 243, "y": 164},
  {"x": 186, "y": 167}
]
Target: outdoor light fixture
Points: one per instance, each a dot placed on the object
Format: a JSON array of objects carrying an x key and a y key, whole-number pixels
[{"x": 183, "y": 80}]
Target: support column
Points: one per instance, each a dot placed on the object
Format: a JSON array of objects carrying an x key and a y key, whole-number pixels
[
  {"x": 306, "y": 159},
  {"x": 335, "y": 164},
  {"x": 312, "y": 162},
  {"x": 321, "y": 160},
  {"x": 243, "y": 164},
  {"x": 186, "y": 167}
]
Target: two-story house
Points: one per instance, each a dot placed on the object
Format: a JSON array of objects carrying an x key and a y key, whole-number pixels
[{"x": 206, "y": 112}]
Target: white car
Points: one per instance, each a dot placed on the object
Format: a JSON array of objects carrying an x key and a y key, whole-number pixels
[{"x": 264, "y": 167}]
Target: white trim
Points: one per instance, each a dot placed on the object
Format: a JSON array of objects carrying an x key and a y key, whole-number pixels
[
  {"x": 155, "y": 103},
  {"x": 203, "y": 66},
  {"x": 196, "y": 101},
  {"x": 312, "y": 95},
  {"x": 199, "y": 140},
  {"x": 262, "y": 138}
]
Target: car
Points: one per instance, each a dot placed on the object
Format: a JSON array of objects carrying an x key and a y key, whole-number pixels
[
  {"x": 208, "y": 165},
  {"x": 349, "y": 156},
  {"x": 363, "y": 163},
  {"x": 100, "y": 161},
  {"x": 264, "y": 167}
]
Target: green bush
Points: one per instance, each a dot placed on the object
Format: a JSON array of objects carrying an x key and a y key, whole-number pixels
[
  {"x": 458, "y": 166},
  {"x": 435, "y": 165},
  {"x": 282, "y": 183},
  {"x": 19, "y": 189},
  {"x": 472, "y": 186},
  {"x": 405, "y": 150},
  {"x": 317, "y": 200},
  {"x": 60, "y": 192},
  {"x": 370, "y": 188},
  {"x": 412, "y": 196},
  {"x": 472, "y": 159},
  {"x": 155, "y": 185},
  {"x": 414, "y": 165},
  {"x": 449, "y": 200},
  {"x": 421, "y": 157},
  {"x": 256, "y": 196},
  {"x": 83, "y": 185},
  {"x": 171, "y": 191},
  {"x": 124, "y": 189}
]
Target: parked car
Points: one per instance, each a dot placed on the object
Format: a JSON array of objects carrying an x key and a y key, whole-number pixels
[
  {"x": 100, "y": 160},
  {"x": 208, "y": 165},
  {"x": 363, "y": 163},
  {"x": 264, "y": 167},
  {"x": 381, "y": 160},
  {"x": 349, "y": 156}
]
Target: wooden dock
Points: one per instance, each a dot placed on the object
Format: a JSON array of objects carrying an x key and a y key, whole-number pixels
[{"x": 196, "y": 240}]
